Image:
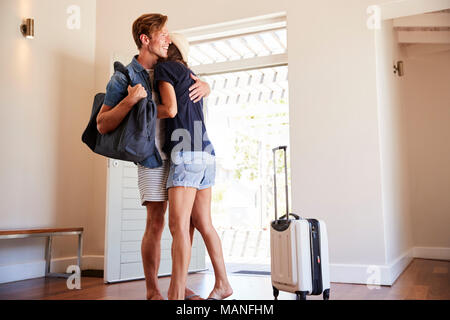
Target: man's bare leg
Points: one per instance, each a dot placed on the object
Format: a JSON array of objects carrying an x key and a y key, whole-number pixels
[{"x": 151, "y": 247}]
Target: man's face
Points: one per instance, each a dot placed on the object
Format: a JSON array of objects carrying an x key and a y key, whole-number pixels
[{"x": 159, "y": 42}]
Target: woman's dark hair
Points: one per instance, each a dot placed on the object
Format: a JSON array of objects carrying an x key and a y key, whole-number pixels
[{"x": 173, "y": 54}]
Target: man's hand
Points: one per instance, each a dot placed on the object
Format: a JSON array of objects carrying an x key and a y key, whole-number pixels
[
  {"x": 199, "y": 89},
  {"x": 136, "y": 93}
]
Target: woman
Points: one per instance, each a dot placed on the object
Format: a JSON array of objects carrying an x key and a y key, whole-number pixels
[{"x": 192, "y": 170}]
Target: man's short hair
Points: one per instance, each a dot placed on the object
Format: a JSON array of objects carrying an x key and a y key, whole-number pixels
[{"x": 147, "y": 24}]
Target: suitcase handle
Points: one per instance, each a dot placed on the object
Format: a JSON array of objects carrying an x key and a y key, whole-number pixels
[
  {"x": 274, "y": 150},
  {"x": 279, "y": 148},
  {"x": 297, "y": 217}
]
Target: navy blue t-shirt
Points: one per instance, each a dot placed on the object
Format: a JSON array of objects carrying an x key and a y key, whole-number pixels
[{"x": 187, "y": 129}]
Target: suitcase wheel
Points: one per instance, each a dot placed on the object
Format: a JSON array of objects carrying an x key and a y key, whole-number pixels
[
  {"x": 301, "y": 295},
  {"x": 275, "y": 292},
  {"x": 326, "y": 294}
]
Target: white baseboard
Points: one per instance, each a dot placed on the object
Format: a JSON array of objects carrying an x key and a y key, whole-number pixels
[
  {"x": 23, "y": 271},
  {"x": 360, "y": 274},
  {"x": 373, "y": 275},
  {"x": 397, "y": 267},
  {"x": 434, "y": 253},
  {"x": 340, "y": 273},
  {"x": 384, "y": 275},
  {"x": 30, "y": 270}
]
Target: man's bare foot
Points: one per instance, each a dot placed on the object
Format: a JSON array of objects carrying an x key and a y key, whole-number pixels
[
  {"x": 154, "y": 296},
  {"x": 191, "y": 295},
  {"x": 221, "y": 292}
]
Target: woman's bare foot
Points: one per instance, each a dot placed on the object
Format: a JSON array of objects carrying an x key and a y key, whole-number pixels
[
  {"x": 191, "y": 295},
  {"x": 221, "y": 292},
  {"x": 154, "y": 296}
]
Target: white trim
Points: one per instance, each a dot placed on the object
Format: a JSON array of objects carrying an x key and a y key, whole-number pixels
[
  {"x": 236, "y": 27},
  {"x": 36, "y": 269},
  {"x": 403, "y": 8},
  {"x": 424, "y": 20},
  {"x": 23, "y": 271},
  {"x": 436, "y": 253},
  {"x": 434, "y": 37},
  {"x": 384, "y": 275},
  {"x": 242, "y": 65},
  {"x": 415, "y": 50},
  {"x": 399, "y": 265}
]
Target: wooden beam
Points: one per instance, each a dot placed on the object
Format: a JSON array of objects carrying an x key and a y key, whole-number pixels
[
  {"x": 437, "y": 37},
  {"x": 403, "y": 8},
  {"x": 415, "y": 50},
  {"x": 424, "y": 20}
]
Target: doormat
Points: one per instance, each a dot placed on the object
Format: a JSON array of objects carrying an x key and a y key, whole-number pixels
[
  {"x": 261, "y": 273},
  {"x": 92, "y": 273}
]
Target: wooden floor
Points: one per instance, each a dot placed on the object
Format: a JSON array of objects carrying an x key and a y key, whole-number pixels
[{"x": 423, "y": 279}]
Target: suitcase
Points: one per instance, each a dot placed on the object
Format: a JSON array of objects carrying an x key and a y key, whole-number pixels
[{"x": 298, "y": 251}]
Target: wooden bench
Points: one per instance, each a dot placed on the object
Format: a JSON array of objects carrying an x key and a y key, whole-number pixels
[{"x": 49, "y": 234}]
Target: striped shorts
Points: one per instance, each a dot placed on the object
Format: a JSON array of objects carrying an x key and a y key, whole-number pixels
[{"x": 152, "y": 183}]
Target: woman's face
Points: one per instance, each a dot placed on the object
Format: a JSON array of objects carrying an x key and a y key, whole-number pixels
[{"x": 159, "y": 43}]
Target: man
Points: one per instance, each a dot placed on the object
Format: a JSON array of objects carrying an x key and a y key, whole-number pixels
[{"x": 152, "y": 39}]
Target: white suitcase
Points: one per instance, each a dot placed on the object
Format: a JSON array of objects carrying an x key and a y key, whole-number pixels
[{"x": 298, "y": 251}]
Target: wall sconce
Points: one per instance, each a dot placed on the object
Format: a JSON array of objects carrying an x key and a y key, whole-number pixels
[
  {"x": 398, "y": 68},
  {"x": 27, "y": 28}
]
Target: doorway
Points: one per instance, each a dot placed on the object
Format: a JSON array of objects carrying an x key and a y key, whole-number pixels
[{"x": 246, "y": 115}]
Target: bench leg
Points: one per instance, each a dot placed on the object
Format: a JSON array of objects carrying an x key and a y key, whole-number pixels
[
  {"x": 48, "y": 258},
  {"x": 80, "y": 249},
  {"x": 48, "y": 255}
]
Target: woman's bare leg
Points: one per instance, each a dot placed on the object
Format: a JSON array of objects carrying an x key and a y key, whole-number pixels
[
  {"x": 181, "y": 200},
  {"x": 201, "y": 217}
]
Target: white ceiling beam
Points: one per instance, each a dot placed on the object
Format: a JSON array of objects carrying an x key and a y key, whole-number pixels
[
  {"x": 245, "y": 43},
  {"x": 205, "y": 54},
  {"x": 242, "y": 34},
  {"x": 194, "y": 60},
  {"x": 237, "y": 27},
  {"x": 403, "y": 8},
  {"x": 218, "y": 51},
  {"x": 263, "y": 43},
  {"x": 277, "y": 39},
  {"x": 437, "y": 37},
  {"x": 415, "y": 50},
  {"x": 227, "y": 42},
  {"x": 424, "y": 20},
  {"x": 242, "y": 65}
]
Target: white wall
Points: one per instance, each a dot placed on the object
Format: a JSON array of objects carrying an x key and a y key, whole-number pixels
[
  {"x": 414, "y": 112},
  {"x": 334, "y": 128},
  {"x": 46, "y": 91},
  {"x": 340, "y": 167},
  {"x": 393, "y": 141},
  {"x": 426, "y": 95}
]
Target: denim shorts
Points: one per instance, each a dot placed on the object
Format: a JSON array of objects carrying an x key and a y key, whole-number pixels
[{"x": 194, "y": 169}]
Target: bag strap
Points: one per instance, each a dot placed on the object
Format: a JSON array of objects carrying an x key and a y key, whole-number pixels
[{"x": 118, "y": 66}]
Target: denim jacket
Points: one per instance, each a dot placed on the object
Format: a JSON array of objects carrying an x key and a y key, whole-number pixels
[{"x": 117, "y": 90}]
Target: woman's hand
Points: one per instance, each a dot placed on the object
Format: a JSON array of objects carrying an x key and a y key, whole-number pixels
[{"x": 199, "y": 89}]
